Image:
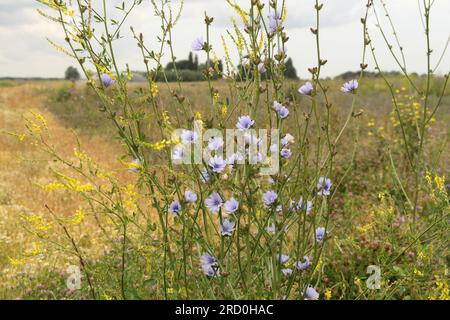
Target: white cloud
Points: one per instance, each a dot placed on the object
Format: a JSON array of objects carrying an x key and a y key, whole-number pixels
[{"x": 25, "y": 52}]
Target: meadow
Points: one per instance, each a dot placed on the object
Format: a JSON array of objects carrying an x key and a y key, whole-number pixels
[{"x": 93, "y": 204}]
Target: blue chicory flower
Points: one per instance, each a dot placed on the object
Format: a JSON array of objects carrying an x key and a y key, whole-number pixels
[
  {"x": 287, "y": 139},
  {"x": 214, "y": 202},
  {"x": 282, "y": 258},
  {"x": 190, "y": 196},
  {"x": 210, "y": 265},
  {"x": 198, "y": 44},
  {"x": 306, "y": 89},
  {"x": 283, "y": 112},
  {"x": 106, "y": 80},
  {"x": 311, "y": 294},
  {"x": 178, "y": 153},
  {"x": 189, "y": 137},
  {"x": 274, "y": 21},
  {"x": 286, "y": 153},
  {"x": 269, "y": 197},
  {"x": 227, "y": 228},
  {"x": 287, "y": 271},
  {"x": 231, "y": 206},
  {"x": 217, "y": 164},
  {"x": 204, "y": 175},
  {"x": 350, "y": 86},
  {"x": 245, "y": 123},
  {"x": 175, "y": 208},
  {"x": 324, "y": 186},
  {"x": 303, "y": 265},
  {"x": 320, "y": 233}
]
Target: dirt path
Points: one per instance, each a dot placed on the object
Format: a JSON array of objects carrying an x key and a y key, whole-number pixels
[{"x": 22, "y": 165}]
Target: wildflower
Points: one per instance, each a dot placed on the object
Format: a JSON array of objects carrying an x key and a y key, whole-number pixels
[
  {"x": 245, "y": 122},
  {"x": 287, "y": 139},
  {"x": 178, "y": 153},
  {"x": 350, "y": 86},
  {"x": 204, "y": 175},
  {"x": 198, "y": 44},
  {"x": 327, "y": 294},
  {"x": 320, "y": 233},
  {"x": 227, "y": 228},
  {"x": 287, "y": 271},
  {"x": 106, "y": 80},
  {"x": 214, "y": 202},
  {"x": 324, "y": 186},
  {"x": 277, "y": 106},
  {"x": 311, "y": 294},
  {"x": 135, "y": 165},
  {"x": 282, "y": 258},
  {"x": 231, "y": 206},
  {"x": 262, "y": 67},
  {"x": 190, "y": 196},
  {"x": 306, "y": 89},
  {"x": 210, "y": 265},
  {"x": 215, "y": 143},
  {"x": 286, "y": 153},
  {"x": 175, "y": 208},
  {"x": 269, "y": 197},
  {"x": 283, "y": 112},
  {"x": 274, "y": 22},
  {"x": 188, "y": 137},
  {"x": 309, "y": 206},
  {"x": 217, "y": 164},
  {"x": 303, "y": 265},
  {"x": 300, "y": 203}
]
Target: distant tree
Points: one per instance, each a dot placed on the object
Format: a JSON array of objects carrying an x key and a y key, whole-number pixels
[
  {"x": 72, "y": 74},
  {"x": 290, "y": 71},
  {"x": 196, "y": 62}
]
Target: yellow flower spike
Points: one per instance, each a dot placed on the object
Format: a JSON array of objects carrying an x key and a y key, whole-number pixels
[
  {"x": 154, "y": 90},
  {"x": 327, "y": 294}
]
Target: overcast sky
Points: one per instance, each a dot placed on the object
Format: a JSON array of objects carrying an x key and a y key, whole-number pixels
[{"x": 25, "y": 52}]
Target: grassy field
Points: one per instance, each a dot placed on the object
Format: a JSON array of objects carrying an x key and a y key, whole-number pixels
[{"x": 33, "y": 260}]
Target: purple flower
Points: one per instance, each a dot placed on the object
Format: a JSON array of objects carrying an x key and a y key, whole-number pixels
[
  {"x": 320, "y": 233},
  {"x": 210, "y": 265},
  {"x": 231, "y": 206},
  {"x": 188, "y": 137},
  {"x": 215, "y": 143},
  {"x": 190, "y": 196},
  {"x": 300, "y": 203},
  {"x": 245, "y": 122},
  {"x": 175, "y": 208},
  {"x": 235, "y": 157},
  {"x": 287, "y": 272},
  {"x": 269, "y": 197},
  {"x": 274, "y": 21},
  {"x": 198, "y": 44},
  {"x": 227, "y": 228},
  {"x": 306, "y": 89},
  {"x": 277, "y": 106},
  {"x": 282, "y": 258},
  {"x": 283, "y": 112},
  {"x": 286, "y": 153},
  {"x": 214, "y": 202},
  {"x": 324, "y": 186},
  {"x": 106, "y": 80},
  {"x": 350, "y": 87},
  {"x": 217, "y": 164},
  {"x": 303, "y": 265},
  {"x": 311, "y": 294}
]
